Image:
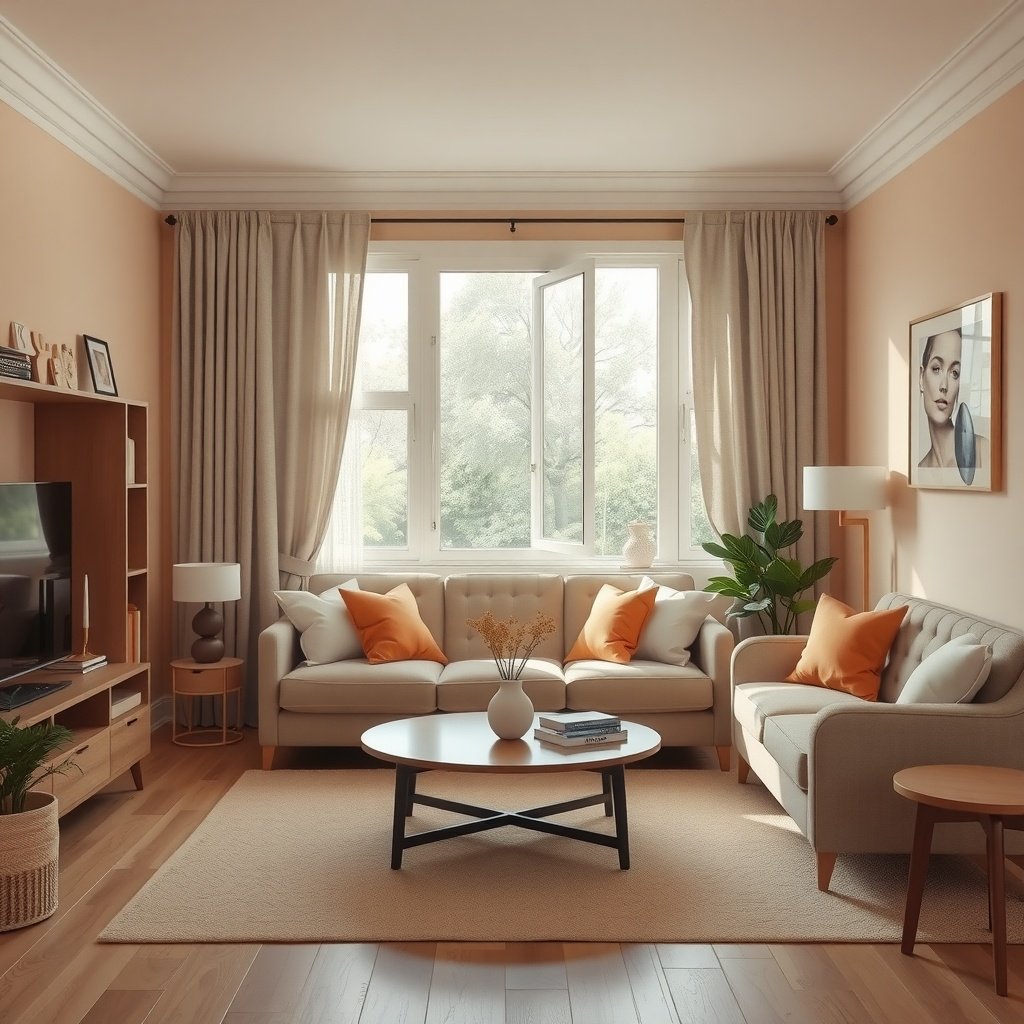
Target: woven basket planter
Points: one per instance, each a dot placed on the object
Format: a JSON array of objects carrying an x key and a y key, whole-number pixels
[{"x": 29, "y": 842}]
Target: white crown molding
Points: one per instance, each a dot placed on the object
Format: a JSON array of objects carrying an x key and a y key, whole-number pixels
[
  {"x": 983, "y": 69},
  {"x": 37, "y": 88},
  {"x": 490, "y": 191}
]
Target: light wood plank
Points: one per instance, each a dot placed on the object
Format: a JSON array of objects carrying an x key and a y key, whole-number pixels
[
  {"x": 548, "y": 1006},
  {"x": 336, "y": 985},
  {"x": 468, "y": 984},
  {"x": 534, "y": 965},
  {"x": 651, "y": 995},
  {"x": 701, "y": 995},
  {"x": 599, "y": 991},
  {"x": 809, "y": 967},
  {"x": 275, "y": 980},
  {"x": 732, "y": 950},
  {"x": 400, "y": 984},
  {"x": 152, "y": 967},
  {"x": 258, "y": 1018},
  {"x": 885, "y": 996},
  {"x": 125, "y": 1006},
  {"x": 206, "y": 984},
  {"x": 972, "y": 965},
  {"x": 686, "y": 954}
]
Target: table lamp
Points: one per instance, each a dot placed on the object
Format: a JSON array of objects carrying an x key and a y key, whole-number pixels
[
  {"x": 840, "y": 488},
  {"x": 203, "y": 583}
]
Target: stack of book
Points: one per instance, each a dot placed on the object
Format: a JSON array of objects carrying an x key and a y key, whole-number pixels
[
  {"x": 15, "y": 364},
  {"x": 579, "y": 729},
  {"x": 76, "y": 663}
]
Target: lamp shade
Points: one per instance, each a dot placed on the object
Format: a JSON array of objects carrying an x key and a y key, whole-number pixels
[
  {"x": 203, "y": 582},
  {"x": 844, "y": 487}
]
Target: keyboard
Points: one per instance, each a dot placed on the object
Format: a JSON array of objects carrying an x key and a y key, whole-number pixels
[{"x": 12, "y": 697}]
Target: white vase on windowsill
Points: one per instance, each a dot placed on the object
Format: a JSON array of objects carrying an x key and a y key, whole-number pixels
[{"x": 639, "y": 550}]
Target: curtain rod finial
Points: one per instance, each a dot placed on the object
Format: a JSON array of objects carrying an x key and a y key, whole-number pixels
[
  {"x": 831, "y": 219},
  {"x": 171, "y": 219}
]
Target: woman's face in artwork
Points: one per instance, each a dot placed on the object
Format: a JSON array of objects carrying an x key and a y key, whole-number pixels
[{"x": 940, "y": 376}]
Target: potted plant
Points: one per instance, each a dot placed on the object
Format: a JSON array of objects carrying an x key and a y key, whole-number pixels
[
  {"x": 29, "y": 836},
  {"x": 766, "y": 584}
]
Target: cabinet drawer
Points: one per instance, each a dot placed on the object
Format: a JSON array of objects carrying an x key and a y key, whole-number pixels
[
  {"x": 129, "y": 740},
  {"x": 216, "y": 679},
  {"x": 93, "y": 772}
]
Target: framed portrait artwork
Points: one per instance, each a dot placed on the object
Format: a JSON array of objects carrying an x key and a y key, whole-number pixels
[
  {"x": 101, "y": 369},
  {"x": 955, "y": 397}
]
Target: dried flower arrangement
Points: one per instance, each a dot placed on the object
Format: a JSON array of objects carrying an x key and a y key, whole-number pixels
[{"x": 511, "y": 642}]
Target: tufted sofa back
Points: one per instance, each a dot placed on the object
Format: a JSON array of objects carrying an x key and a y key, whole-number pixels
[{"x": 927, "y": 626}]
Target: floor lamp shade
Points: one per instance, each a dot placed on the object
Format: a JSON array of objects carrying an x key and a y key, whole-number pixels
[{"x": 204, "y": 583}]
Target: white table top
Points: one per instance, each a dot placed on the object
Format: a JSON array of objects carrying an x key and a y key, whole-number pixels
[{"x": 465, "y": 743}]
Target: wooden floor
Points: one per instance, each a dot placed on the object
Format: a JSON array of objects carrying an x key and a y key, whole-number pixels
[{"x": 55, "y": 971}]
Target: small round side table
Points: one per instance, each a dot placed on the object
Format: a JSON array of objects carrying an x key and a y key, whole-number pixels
[
  {"x": 191, "y": 679},
  {"x": 989, "y": 795}
]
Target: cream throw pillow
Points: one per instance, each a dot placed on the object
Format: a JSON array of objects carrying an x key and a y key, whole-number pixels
[
  {"x": 951, "y": 675},
  {"x": 675, "y": 621},
  {"x": 328, "y": 633}
]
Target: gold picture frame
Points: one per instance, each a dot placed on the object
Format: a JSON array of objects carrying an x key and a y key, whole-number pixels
[{"x": 955, "y": 397}]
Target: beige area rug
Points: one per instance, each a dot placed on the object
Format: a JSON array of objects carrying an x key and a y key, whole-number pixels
[{"x": 304, "y": 856}]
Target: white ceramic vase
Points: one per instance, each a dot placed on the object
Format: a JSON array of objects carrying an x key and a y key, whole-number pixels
[
  {"x": 510, "y": 711},
  {"x": 639, "y": 550}
]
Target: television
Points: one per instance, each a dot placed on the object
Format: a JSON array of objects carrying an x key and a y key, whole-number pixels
[{"x": 35, "y": 576}]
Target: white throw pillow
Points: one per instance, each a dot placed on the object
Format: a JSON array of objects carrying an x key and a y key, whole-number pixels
[
  {"x": 328, "y": 633},
  {"x": 675, "y": 621},
  {"x": 951, "y": 675}
]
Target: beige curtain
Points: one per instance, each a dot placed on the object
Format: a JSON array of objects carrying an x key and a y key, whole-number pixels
[
  {"x": 266, "y": 312},
  {"x": 757, "y": 286}
]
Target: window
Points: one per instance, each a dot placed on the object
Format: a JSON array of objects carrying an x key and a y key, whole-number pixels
[{"x": 523, "y": 403}]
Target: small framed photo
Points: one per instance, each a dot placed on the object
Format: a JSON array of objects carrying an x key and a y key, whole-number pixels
[
  {"x": 20, "y": 338},
  {"x": 955, "y": 397},
  {"x": 101, "y": 369}
]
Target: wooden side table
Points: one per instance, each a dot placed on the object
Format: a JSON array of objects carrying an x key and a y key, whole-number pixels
[
  {"x": 991, "y": 796},
  {"x": 191, "y": 679}
]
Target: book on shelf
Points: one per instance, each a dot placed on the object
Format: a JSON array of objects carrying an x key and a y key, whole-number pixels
[
  {"x": 80, "y": 664},
  {"x": 134, "y": 624},
  {"x": 123, "y": 699},
  {"x": 579, "y": 721},
  {"x": 597, "y": 739}
]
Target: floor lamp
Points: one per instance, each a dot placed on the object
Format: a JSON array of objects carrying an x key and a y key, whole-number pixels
[{"x": 841, "y": 488}]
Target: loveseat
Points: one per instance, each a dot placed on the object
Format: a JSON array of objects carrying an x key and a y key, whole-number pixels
[
  {"x": 829, "y": 757},
  {"x": 332, "y": 704}
]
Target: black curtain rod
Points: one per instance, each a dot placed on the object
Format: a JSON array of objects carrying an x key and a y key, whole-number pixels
[{"x": 513, "y": 221}]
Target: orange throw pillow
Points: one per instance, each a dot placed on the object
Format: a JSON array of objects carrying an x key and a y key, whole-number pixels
[
  {"x": 612, "y": 629},
  {"x": 846, "y": 650},
  {"x": 390, "y": 627}
]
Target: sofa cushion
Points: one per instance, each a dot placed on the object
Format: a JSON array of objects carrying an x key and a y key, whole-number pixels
[
  {"x": 788, "y": 739},
  {"x": 328, "y": 633},
  {"x": 390, "y": 627},
  {"x": 846, "y": 649},
  {"x": 400, "y": 688},
  {"x": 675, "y": 621},
  {"x": 636, "y": 687},
  {"x": 613, "y": 627},
  {"x": 754, "y": 703},
  {"x": 951, "y": 675},
  {"x": 469, "y": 685}
]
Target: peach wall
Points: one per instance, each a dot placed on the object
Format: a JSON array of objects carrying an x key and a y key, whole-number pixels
[
  {"x": 80, "y": 254},
  {"x": 946, "y": 229}
]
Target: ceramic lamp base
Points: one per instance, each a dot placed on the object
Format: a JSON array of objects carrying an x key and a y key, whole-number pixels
[{"x": 209, "y": 647}]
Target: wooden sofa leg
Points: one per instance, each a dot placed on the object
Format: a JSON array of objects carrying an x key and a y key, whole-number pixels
[
  {"x": 826, "y": 865},
  {"x": 723, "y": 757},
  {"x": 742, "y": 770},
  {"x": 268, "y": 758}
]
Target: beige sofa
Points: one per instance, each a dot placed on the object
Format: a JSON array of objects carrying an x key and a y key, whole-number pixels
[
  {"x": 333, "y": 704},
  {"x": 829, "y": 757}
]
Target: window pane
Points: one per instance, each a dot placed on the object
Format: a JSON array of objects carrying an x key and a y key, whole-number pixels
[
  {"x": 563, "y": 410},
  {"x": 384, "y": 447},
  {"x": 626, "y": 396},
  {"x": 485, "y": 410},
  {"x": 384, "y": 333}
]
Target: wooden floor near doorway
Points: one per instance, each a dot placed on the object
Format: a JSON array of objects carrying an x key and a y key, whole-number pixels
[{"x": 113, "y": 843}]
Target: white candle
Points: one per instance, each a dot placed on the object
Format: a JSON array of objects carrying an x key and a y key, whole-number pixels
[{"x": 85, "y": 603}]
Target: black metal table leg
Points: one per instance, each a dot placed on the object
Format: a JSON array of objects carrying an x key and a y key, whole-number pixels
[
  {"x": 411, "y": 795},
  {"x": 404, "y": 781},
  {"x": 606, "y": 789},
  {"x": 618, "y": 780}
]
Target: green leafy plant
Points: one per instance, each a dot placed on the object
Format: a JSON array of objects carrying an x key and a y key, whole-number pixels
[
  {"x": 24, "y": 751},
  {"x": 766, "y": 583}
]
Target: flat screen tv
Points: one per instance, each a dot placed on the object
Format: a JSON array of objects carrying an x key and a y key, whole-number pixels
[{"x": 35, "y": 576}]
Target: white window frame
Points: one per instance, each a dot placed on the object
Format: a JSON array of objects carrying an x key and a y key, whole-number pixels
[{"x": 425, "y": 262}]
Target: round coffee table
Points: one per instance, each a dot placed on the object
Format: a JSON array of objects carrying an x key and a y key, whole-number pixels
[
  {"x": 465, "y": 743},
  {"x": 989, "y": 795}
]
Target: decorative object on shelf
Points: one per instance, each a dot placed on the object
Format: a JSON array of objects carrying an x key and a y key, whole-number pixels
[
  {"x": 101, "y": 369},
  {"x": 510, "y": 711},
  {"x": 639, "y": 550},
  {"x": 841, "y": 488},
  {"x": 39, "y": 358},
  {"x": 15, "y": 364},
  {"x": 62, "y": 370},
  {"x": 767, "y": 584},
  {"x": 88, "y": 659},
  {"x": 67, "y": 358},
  {"x": 129, "y": 453},
  {"x": 204, "y": 583},
  {"x": 20, "y": 337},
  {"x": 29, "y": 837},
  {"x": 955, "y": 397}
]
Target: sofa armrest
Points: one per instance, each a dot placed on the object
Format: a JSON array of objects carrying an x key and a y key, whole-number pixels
[
  {"x": 278, "y": 653},
  {"x": 711, "y": 653},
  {"x": 763, "y": 659}
]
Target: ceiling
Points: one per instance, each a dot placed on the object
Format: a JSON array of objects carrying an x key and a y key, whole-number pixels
[{"x": 406, "y": 94}]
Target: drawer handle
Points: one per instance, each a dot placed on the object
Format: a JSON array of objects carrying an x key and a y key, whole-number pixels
[
  {"x": 131, "y": 722},
  {"x": 82, "y": 750}
]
